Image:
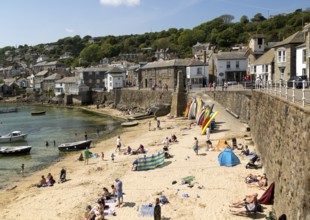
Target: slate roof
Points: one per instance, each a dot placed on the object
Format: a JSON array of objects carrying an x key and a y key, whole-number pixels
[
  {"x": 301, "y": 45},
  {"x": 297, "y": 38},
  {"x": 115, "y": 69},
  {"x": 95, "y": 69},
  {"x": 67, "y": 80},
  {"x": 234, "y": 55},
  {"x": 42, "y": 73},
  {"x": 54, "y": 76},
  {"x": 166, "y": 63},
  {"x": 266, "y": 58},
  {"x": 195, "y": 62}
]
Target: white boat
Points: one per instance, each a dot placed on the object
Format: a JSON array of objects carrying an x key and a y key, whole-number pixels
[
  {"x": 15, "y": 150},
  {"x": 13, "y": 136}
]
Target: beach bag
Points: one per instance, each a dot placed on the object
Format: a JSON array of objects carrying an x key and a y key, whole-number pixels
[{"x": 163, "y": 200}]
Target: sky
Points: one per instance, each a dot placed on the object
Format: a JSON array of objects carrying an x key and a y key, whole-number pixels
[{"x": 34, "y": 22}]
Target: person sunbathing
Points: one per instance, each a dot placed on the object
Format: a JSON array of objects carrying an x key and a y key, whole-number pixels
[
  {"x": 261, "y": 183},
  {"x": 41, "y": 183},
  {"x": 50, "y": 180},
  {"x": 246, "y": 151},
  {"x": 250, "y": 207},
  {"x": 251, "y": 178},
  {"x": 247, "y": 200},
  {"x": 141, "y": 149},
  {"x": 105, "y": 194}
]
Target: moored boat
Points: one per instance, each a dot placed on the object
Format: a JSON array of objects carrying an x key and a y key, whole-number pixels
[
  {"x": 13, "y": 136},
  {"x": 15, "y": 150},
  {"x": 129, "y": 123},
  {"x": 74, "y": 146},
  {"x": 8, "y": 110},
  {"x": 38, "y": 113}
]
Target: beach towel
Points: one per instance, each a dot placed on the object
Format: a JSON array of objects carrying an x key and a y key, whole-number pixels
[
  {"x": 147, "y": 210},
  {"x": 111, "y": 210},
  {"x": 268, "y": 196},
  {"x": 151, "y": 162}
]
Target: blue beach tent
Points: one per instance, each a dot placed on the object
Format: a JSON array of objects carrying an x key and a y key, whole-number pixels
[{"x": 228, "y": 158}]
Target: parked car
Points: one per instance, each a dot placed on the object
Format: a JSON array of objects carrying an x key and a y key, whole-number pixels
[
  {"x": 229, "y": 83},
  {"x": 298, "y": 82}
]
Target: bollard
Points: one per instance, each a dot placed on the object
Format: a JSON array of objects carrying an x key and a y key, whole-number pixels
[{"x": 286, "y": 94}]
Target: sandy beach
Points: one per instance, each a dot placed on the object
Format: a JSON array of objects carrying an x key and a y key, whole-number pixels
[{"x": 214, "y": 186}]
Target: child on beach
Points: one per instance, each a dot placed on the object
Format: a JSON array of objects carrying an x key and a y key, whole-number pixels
[
  {"x": 196, "y": 148},
  {"x": 112, "y": 157},
  {"x": 102, "y": 156}
]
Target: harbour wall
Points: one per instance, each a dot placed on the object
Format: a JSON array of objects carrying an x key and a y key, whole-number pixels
[{"x": 281, "y": 133}]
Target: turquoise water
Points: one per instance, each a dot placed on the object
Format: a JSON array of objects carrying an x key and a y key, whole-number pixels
[{"x": 59, "y": 124}]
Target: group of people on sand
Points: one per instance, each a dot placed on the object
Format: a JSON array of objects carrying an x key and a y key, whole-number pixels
[
  {"x": 96, "y": 212},
  {"x": 50, "y": 181},
  {"x": 250, "y": 202}
]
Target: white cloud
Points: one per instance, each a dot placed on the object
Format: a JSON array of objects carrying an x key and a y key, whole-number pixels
[
  {"x": 120, "y": 2},
  {"x": 69, "y": 30}
]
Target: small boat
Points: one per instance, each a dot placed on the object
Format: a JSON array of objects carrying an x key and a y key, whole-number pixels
[
  {"x": 129, "y": 124},
  {"x": 15, "y": 150},
  {"x": 38, "y": 113},
  {"x": 13, "y": 136},
  {"x": 74, "y": 146},
  {"x": 8, "y": 110}
]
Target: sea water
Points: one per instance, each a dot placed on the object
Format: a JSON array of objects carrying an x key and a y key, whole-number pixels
[{"x": 58, "y": 124}]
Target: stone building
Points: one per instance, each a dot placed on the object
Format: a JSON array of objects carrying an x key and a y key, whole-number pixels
[
  {"x": 48, "y": 83},
  {"x": 162, "y": 73},
  {"x": 285, "y": 56},
  {"x": 93, "y": 77}
]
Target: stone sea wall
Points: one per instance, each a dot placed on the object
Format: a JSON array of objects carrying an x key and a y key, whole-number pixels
[
  {"x": 281, "y": 133},
  {"x": 133, "y": 99},
  {"x": 237, "y": 102}
]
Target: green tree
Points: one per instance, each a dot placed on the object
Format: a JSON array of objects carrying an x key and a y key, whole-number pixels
[{"x": 227, "y": 18}]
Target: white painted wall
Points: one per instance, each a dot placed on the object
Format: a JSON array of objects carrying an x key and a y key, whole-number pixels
[
  {"x": 221, "y": 67},
  {"x": 299, "y": 62},
  {"x": 115, "y": 81}
]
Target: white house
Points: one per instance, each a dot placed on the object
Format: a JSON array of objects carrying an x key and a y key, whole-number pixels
[
  {"x": 301, "y": 60},
  {"x": 263, "y": 68},
  {"x": 42, "y": 58},
  {"x": 115, "y": 78},
  {"x": 228, "y": 66},
  {"x": 197, "y": 74},
  {"x": 68, "y": 85},
  {"x": 31, "y": 80}
]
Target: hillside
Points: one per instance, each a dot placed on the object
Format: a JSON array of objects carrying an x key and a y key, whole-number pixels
[{"x": 220, "y": 31}]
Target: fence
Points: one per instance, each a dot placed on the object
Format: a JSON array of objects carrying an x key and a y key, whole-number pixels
[{"x": 294, "y": 91}]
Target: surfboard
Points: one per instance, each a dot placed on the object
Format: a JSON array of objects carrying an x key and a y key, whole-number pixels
[
  {"x": 187, "y": 109},
  {"x": 198, "y": 108},
  {"x": 207, "y": 113},
  {"x": 200, "y": 116},
  {"x": 191, "y": 109},
  {"x": 209, "y": 122}
]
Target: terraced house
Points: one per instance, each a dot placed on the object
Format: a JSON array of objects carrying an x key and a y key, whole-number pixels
[{"x": 162, "y": 73}]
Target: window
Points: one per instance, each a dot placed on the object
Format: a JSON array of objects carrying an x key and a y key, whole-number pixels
[
  {"x": 153, "y": 72},
  {"x": 97, "y": 73},
  {"x": 199, "y": 71},
  {"x": 304, "y": 56},
  {"x": 304, "y": 72},
  {"x": 237, "y": 64},
  {"x": 281, "y": 56},
  {"x": 228, "y": 64}
]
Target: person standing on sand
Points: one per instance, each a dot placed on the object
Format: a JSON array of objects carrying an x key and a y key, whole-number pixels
[
  {"x": 119, "y": 191},
  {"x": 118, "y": 144},
  {"x": 86, "y": 155},
  {"x": 102, "y": 156},
  {"x": 157, "y": 210},
  {"x": 196, "y": 148}
]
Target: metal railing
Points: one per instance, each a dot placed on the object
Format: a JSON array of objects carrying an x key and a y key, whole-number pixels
[{"x": 294, "y": 91}]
